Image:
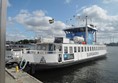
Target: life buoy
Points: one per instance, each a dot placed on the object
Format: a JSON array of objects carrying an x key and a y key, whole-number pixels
[{"x": 23, "y": 64}]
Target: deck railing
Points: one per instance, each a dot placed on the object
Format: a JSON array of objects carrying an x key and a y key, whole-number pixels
[{"x": 41, "y": 52}]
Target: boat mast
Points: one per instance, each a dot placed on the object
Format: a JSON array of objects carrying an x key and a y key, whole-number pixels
[{"x": 86, "y": 32}]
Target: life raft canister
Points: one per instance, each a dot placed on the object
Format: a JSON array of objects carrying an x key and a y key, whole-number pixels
[{"x": 83, "y": 42}]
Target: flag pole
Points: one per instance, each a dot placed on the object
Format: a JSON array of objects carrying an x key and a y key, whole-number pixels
[{"x": 86, "y": 30}]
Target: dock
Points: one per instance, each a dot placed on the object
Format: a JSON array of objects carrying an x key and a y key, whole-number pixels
[{"x": 11, "y": 76}]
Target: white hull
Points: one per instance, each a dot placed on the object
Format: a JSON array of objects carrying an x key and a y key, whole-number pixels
[
  {"x": 37, "y": 66},
  {"x": 47, "y": 60}
]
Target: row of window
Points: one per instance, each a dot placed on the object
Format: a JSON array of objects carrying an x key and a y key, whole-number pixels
[{"x": 81, "y": 49}]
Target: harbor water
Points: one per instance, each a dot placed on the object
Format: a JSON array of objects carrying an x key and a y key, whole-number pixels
[{"x": 99, "y": 71}]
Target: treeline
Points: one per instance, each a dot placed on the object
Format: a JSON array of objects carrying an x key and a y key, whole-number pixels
[
  {"x": 25, "y": 41},
  {"x": 112, "y": 44}
]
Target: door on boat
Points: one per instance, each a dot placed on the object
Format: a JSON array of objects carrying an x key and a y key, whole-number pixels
[{"x": 51, "y": 48}]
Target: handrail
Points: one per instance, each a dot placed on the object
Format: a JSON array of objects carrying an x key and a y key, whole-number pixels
[{"x": 41, "y": 52}]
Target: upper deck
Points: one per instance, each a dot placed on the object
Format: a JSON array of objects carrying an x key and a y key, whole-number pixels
[
  {"x": 81, "y": 32},
  {"x": 80, "y": 29}
]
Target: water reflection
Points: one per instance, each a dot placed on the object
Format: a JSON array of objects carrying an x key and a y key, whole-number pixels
[{"x": 81, "y": 73}]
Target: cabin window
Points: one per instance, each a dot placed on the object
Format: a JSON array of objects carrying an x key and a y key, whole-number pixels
[
  {"x": 82, "y": 49},
  {"x": 38, "y": 47},
  {"x": 75, "y": 49},
  {"x": 95, "y": 48},
  {"x": 51, "y": 46},
  {"x": 71, "y": 49},
  {"x": 41, "y": 47},
  {"x": 85, "y": 49},
  {"x": 98, "y": 48},
  {"x": 88, "y": 48},
  {"x": 92, "y": 48},
  {"x": 78, "y": 49},
  {"x": 65, "y": 49},
  {"x": 68, "y": 56},
  {"x": 54, "y": 47}
]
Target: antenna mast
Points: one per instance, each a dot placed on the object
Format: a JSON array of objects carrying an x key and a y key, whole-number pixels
[{"x": 86, "y": 31}]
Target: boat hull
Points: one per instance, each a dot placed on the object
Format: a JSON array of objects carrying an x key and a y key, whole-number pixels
[{"x": 46, "y": 66}]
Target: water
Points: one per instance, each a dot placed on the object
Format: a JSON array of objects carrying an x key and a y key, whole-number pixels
[{"x": 100, "y": 71}]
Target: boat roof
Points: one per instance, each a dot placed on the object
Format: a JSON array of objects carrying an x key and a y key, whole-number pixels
[{"x": 80, "y": 29}]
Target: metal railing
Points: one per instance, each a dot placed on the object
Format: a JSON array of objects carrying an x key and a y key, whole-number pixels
[{"x": 41, "y": 52}]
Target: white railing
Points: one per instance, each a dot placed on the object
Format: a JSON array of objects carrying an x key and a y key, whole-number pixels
[{"x": 41, "y": 52}]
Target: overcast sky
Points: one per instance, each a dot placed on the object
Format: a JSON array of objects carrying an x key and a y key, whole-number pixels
[{"x": 29, "y": 18}]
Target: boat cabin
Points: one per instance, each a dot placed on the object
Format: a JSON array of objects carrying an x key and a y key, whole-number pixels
[{"x": 81, "y": 32}]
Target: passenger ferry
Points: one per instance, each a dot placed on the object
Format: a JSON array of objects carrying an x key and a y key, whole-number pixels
[{"x": 78, "y": 46}]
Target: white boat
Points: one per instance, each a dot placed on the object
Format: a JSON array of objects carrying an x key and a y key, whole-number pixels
[
  {"x": 62, "y": 52},
  {"x": 78, "y": 46}
]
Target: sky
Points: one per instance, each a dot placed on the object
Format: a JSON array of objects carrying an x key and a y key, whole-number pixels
[{"x": 29, "y": 19}]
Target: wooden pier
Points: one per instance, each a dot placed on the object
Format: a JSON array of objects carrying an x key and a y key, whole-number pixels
[{"x": 13, "y": 76}]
